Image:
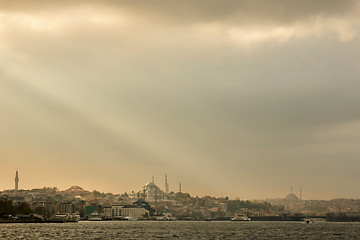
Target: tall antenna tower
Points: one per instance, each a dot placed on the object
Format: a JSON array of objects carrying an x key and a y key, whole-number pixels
[
  {"x": 300, "y": 193},
  {"x": 152, "y": 179},
  {"x": 166, "y": 185},
  {"x": 180, "y": 187},
  {"x": 16, "y": 181}
]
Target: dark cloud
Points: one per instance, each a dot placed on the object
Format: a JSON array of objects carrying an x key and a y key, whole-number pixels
[
  {"x": 156, "y": 91},
  {"x": 234, "y": 11},
  {"x": 197, "y": 11}
]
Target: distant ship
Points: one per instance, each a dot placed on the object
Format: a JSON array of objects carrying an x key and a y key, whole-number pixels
[
  {"x": 59, "y": 217},
  {"x": 314, "y": 220},
  {"x": 63, "y": 217},
  {"x": 166, "y": 218},
  {"x": 73, "y": 217},
  {"x": 94, "y": 217},
  {"x": 131, "y": 219},
  {"x": 240, "y": 217}
]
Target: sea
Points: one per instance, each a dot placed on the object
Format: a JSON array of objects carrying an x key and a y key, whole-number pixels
[{"x": 180, "y": 230}]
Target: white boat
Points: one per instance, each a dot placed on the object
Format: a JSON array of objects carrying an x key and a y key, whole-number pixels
[
  {"x": 59, "y": 217},
  {"x": 240, "y": 217},
  {"x": 166, "y": 218},
  {"x": 73, "y": 217},
  {"x": 131, "y": 218},
  {"x": 94, "y": 217}
]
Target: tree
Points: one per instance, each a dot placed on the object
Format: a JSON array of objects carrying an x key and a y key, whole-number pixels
[
  {"x": 142, "y": 203},
  {"x": 22, "y": 208},
  {"x": 5, "y": 207}
]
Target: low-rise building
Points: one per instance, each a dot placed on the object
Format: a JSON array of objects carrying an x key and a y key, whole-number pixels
[{"x": 121, "y": 211}]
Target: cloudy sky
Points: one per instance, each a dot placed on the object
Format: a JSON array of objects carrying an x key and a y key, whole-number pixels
[{"x": 238, "y": 98}]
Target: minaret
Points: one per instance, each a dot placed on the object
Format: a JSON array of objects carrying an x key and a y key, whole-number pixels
[
  {"x": 300, "y": 193},
  {"x": 166, "y": 185},
  {"x": 180, "y": 187},
  {"x": 153, "y": 180},
  {"x": 16, "y": 181}
]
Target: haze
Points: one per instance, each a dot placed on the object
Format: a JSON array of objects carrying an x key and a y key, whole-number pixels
[{"x": 232, "y": 98}]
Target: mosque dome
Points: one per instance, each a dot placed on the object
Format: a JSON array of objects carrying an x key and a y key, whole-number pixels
[
  {"x": 151, "y": 191},
  {"x": 291, "y": 197},
  {"x": 150, "y": 185}
]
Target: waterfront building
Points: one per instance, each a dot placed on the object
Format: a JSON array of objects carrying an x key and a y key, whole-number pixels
[
  {"x": 66, "y": 207},
  {"x": 107, "y": 211},
  {"x": 121, "y": 211},
  {"x": 91, "y": 209}
]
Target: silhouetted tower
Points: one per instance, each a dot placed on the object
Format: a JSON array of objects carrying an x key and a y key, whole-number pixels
[
  {"x": 300, "y": 193},
  {"x": 166, "y": 185},
  {"x": 16, "y": 181},
  {"x": 153, "y": 180},
  {"x": 180, "y": 187}
]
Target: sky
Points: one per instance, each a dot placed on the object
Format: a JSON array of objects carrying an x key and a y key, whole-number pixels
[{"x": 238, "y": 98}]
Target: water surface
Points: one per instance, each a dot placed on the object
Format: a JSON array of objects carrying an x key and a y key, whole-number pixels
[{"x": 180, "y": 230}]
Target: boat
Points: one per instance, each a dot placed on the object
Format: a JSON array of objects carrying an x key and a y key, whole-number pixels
[
  {"x": 59, "y": 217},
  {"x": 308, "y": 220},
  {"x": 166, "y": 218},
  {"x": 73, "y": 217},
  {"x": 240, "y": 217},
  {"x": 318, "y": 219},
  {"x": 131, "y": 218},
  {"x": 314, "y": 220},
  {"x": 94, "y": 217}
]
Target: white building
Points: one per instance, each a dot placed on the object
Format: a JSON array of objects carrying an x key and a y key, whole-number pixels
[
  {"x": 121, "y": 211},
  {"x": 107, "y": 212}
]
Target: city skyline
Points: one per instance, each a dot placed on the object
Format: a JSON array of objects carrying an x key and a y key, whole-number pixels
[
  {"x": 230, "y": 98},
  {"x": 166, "y": 189}
]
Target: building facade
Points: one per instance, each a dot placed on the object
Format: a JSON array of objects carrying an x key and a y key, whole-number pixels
[{"x": 121, "y": 211}]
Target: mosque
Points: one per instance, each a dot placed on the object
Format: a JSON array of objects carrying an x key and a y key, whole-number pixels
[{"x": 151, "y": 192}]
